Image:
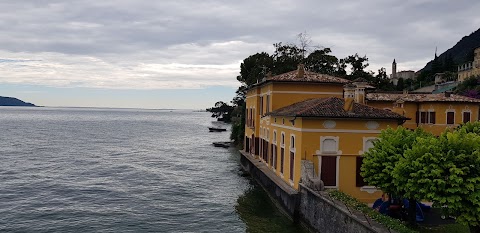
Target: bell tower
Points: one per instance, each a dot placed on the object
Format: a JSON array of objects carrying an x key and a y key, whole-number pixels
[{"x": 394, "y": 69}]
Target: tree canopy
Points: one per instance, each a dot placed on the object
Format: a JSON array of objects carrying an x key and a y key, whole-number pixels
[
  {"x": 417, "y": 165},
  {"x": 446, "y": 170}
]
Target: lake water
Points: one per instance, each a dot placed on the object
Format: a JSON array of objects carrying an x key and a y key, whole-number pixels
[{"x": 124, "y": 170}]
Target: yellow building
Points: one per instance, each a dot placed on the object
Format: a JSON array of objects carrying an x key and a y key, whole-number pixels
[
  {"x": 471, "y": 68},
  {"x": 431, "y": 112},
  {"x": 330, "y": 122}
]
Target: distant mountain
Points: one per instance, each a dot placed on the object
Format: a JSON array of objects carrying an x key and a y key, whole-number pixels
[
  {"x": 10, "y": 101},
  {"x": 462, "y": 51}
]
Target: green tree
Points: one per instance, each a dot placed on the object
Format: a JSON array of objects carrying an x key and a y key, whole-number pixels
[
  {"x": 358, "y": 63},
  {"x": 381, "y": 81},
  {"x": 321, "y": 61},
  {"x": 445, "y": 170},
  {"x": 400, "y": 84},
  {"x": 254, "y": 68},
  {"x": 221, "y": 111},
  {"x": 286, "y": 57},
  {"x": 380, "y": 161}
]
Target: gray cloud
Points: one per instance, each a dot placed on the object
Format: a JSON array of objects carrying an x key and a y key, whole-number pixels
[{"x": 192, "y": 44}]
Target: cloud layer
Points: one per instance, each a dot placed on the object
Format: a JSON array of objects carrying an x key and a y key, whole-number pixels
[{"x": 188, "y": 44}]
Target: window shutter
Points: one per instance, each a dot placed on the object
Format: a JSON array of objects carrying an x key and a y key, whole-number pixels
[
  {"x": 466, "y": 117},
  {"x": 450, "y": 118},
  {"x": 423, "y": 117},
  {"x": 329, "y": 170},
  {"x": 417, "y": 117},
  {"x": 432, "y": 117},
  {"x": 359, "y": 179}
]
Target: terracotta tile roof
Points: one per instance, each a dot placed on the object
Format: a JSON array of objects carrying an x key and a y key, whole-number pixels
[
  {"x": 307, "y": 77},
  {"x": 333, "y": 107},
  {"x": 419, "y": 97}
]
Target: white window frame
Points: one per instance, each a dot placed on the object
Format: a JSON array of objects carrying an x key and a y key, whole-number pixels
[
  {"x": 292, "y": 150},
  {"x": 428, "y": 116},
  {"x": 365, "y": 140},
  {"x": 282, "y": 146},
  {"x": 469, "y": 111},
  {"x": 337, "y": 169},
  {"x": 274, "y": 139},
  {"x": 274, "y": 143},
  {"x": 454, "y": 116},
  {"x": 336, "y": 152}
]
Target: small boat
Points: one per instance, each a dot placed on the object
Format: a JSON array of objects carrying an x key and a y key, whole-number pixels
[
  {"x": 212, "y": 129},
  {"x": 221, "y": 144}
]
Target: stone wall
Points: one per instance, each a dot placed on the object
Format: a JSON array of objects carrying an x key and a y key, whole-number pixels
[
  {"x": 288, "y": 199},
  {"x": 321, "y": 213},
  {"x": 313, "y": 209}
]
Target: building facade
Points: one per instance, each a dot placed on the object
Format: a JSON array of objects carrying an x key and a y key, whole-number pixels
[
  {"x": 331, "y": 122},
  {"x": 471, "y": 68}
]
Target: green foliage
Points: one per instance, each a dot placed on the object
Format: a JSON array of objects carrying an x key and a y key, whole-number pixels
[
  {"x": 387, "y": 221},
  {"x": 469, "y": 127},
  {"x": 221, "y": 110},
  {"x": 321, "y": 61},
  {"x": 254, "y": 68},
  {"x": 380, "y": 161},
  {"x": 446, "y": 170},
  {"x": 238, "y": 125}
]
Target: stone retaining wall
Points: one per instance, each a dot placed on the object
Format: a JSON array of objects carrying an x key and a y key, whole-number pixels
[{"x": 315, "y": 210}]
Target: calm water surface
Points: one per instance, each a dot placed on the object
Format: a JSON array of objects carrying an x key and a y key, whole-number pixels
[{"x": 124, "y": 170}]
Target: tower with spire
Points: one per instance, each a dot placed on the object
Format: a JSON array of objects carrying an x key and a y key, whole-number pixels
[{"x": 394, "y": 69}]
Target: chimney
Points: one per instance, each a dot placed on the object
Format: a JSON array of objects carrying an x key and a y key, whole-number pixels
[
  {"x": 360, "y": 85},
  {"x": 300, "y": 71},
  {"x": 349, "y": 96}
]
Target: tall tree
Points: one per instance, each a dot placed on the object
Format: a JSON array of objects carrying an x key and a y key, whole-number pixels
[
  {"x": 254, "y": 68},
  {"x": 321, "y": 61},
  {"x": 286, "y": 57}
]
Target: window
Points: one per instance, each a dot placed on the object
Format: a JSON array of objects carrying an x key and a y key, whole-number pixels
[
  {"x": 328, "y": 170},
  {"x": 329, "y": 146},
  {"x": 450, "y": 118},
  {"x": 268, "y": 103},
  {"x": 431, "y": 117},
  {"x": 261, "y": 106},
  {"x": 292, "y": 156},
  {"x": 292, "y": 164},
  {"x": 369, "y": 144},
  {"x": 282, "y": 159},
  {"x": 423, "y": 117},
  {"x": 273, "y": 155},
  {"x": 466, "y": 117},
  {"x": 282, "y": 152},
  {"x": 359, "y": 179}
]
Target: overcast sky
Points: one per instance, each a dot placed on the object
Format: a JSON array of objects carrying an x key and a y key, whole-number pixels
[{"x": 187, "y": 53}]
